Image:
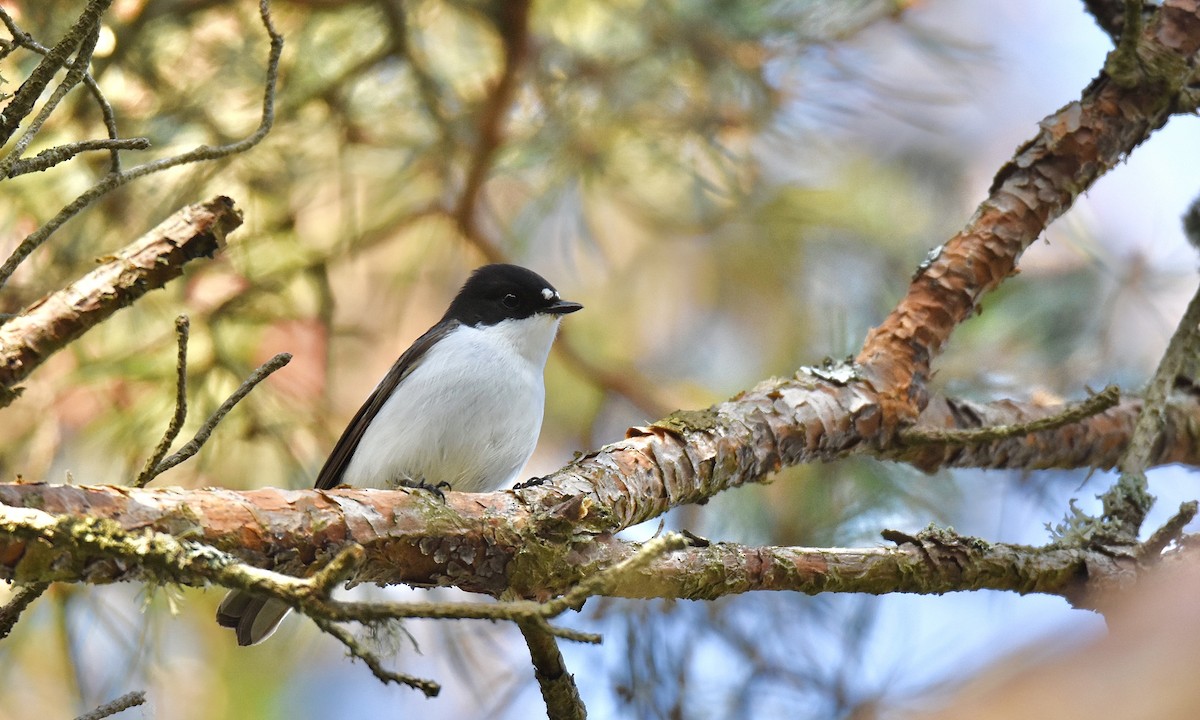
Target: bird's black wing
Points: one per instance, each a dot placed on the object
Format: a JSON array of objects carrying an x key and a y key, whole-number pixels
[{"x": 331, "y": 472}]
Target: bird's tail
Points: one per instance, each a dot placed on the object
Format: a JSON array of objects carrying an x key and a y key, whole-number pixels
[{"x": 254, "y": 618}]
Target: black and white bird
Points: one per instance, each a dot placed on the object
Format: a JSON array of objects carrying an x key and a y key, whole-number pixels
[{"x": 461, "y": 407}]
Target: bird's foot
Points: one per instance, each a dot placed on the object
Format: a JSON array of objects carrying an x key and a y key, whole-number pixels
[
  {"x": 423, "y": 484},
  {"x": 531, "y": 482}
]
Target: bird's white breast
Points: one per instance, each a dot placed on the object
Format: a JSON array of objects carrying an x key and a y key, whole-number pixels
[{"x": 469, "y": 414}]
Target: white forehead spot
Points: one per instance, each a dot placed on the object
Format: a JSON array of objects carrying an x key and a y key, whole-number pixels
[{"x": 548, "y": 294}]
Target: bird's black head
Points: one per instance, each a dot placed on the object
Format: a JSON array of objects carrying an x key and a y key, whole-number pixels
[{"x": 506, "y": 292}]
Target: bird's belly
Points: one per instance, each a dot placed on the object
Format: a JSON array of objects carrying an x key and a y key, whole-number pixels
[{"x": 474, "y": 432}]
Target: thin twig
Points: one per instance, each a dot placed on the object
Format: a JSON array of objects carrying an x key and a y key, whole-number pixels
[
  {"x": 1096, "y": 404},
  {"x": 1128, "y": 501},
  {"x": 22, "y": 598},
  {"x": 1180, "y": 348},
  {"x": 75, "y": 72},
  {"x": 558, "y": 687},
  {"x": 201, "y": 153},
  {"x": 1170, "y": 531},
  {"x": 596, "y": 583},
  {"x": 193, "y": 446},
  {"x": 50, "y": 157},
  {"x": 356, "y": 650},
  {"x": 150, "y": 469},
  {"x": 126, "y": 701},
  {"x": 339, "y": 570},
  {"x": 574, "y": 635},
  {"x": 25, "y": 40},
  {"x": 26, "y": 96}
]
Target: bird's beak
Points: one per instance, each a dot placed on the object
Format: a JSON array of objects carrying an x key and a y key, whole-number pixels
[{"x": 563, "y": 307}]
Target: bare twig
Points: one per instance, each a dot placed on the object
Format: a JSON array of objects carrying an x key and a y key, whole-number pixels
[
  {"x": 116, "y": 179},
  {"x": 356, "y": 650},
  {"x": 22, "y": 598},
  {"x": 26, "y": 96},
  {"x": 1170, "y": 531},
  {"x": 50, "y": 157},
  {"x": 23, "y": 39},
  {"x": 559, "y": 691},
  {"x": 1098, "y": 403},
  {"x": 150, "y": 469},
  {"x": 126, "y": 701},
  {"x": 599, "y": 583},
  {"x": 1182, "y": 346},
  {"x": 75, "y": 73},
  {"x": 193, "y": 446}
]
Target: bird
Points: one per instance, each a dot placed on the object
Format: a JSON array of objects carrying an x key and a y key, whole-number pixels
[{"x": 461, "y": 408}]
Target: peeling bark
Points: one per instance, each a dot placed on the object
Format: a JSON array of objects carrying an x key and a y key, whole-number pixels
[
  {"x": 150, "y": 262},
  {"x": 490, "y": 543},
  {"x": 1074, "y": 147}
]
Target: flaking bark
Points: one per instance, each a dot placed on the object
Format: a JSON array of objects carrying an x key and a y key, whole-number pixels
[{"x": 51, "y": 323}]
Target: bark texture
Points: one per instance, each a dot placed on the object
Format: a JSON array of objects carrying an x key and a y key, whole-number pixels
[{"x": 159, "y": 256}]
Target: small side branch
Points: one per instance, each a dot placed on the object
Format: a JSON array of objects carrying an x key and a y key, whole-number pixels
[
  {"x": 22, "y": 598},
  {"x": 126, "y": 701},
  {"x": 356, "y": 650},
  {"x": 116, "y": 178},
  {"x": 50, "y": 157},
  {"x": 152, "y": 261},
  {"x": 1183, "y": 346},
  {"x": 150, "y": 469},
  {"x": 1098, "y": 403},
  {"x": 193, "y": 446},
  {"x": 1171, "y": 531},
  {"x": 1128, "y": 501},
  {"x": 559, "y": 691},
  {"x": 24, "y": 99},
  {"x": 605, "y": 581}
]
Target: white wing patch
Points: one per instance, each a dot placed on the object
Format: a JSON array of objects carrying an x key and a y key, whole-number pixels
[{"x": 549, "y": 294}]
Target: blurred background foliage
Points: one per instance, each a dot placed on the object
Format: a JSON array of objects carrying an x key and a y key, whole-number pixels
[{"x": 733, "y": 189}]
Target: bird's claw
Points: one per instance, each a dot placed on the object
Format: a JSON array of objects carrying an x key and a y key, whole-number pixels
[
  {"x": 423, "y": 484},
  {"x": 531, "y": 482}
]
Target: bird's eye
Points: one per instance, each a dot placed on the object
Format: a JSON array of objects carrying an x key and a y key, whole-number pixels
[{"x": 510, "y": 301}]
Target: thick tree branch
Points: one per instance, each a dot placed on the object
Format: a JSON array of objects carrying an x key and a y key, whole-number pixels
[
  {"x": 1109, "y": 15},
  {"x": 481, "y": 542},
  {"x": 1074, "y": 147},
  {"x": 152, "y": 261}
]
